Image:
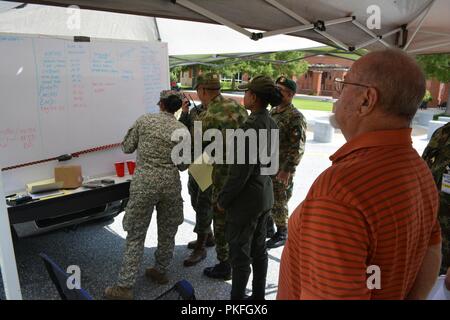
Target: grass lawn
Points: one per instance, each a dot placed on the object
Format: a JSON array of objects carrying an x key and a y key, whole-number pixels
[{"x": 312, "y": 105}]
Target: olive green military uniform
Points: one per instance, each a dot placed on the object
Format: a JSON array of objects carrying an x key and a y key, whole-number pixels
[
  {"x": 156, "y": 183},
  {"x": 222, "y": 114},
  {"x": 247, "y": 198},
  {"x": 437, "y": 156}
]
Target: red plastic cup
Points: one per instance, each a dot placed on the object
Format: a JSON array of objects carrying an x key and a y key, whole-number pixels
[
  {"x": 120, "y": 169},
  {"x": 131, "y": 165}
]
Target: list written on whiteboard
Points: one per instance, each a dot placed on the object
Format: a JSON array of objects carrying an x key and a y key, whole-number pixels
[
  {"x": 24, "y": 137},
  {"x": 103, "y": 65},
  {"x": 50, "y": 81},
  {"x": 75, "y": 52}
]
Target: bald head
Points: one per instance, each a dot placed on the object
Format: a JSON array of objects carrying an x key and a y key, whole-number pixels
[{"x": 399, "y": 81}]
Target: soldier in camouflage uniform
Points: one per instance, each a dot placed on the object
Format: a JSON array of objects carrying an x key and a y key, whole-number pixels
[
  {"x": 437, "y": 156},
  {"x": 156, "y": 183},
  {"x": 292, "y": 125},
  {"x": 200, "y": 200},
  {"x": 221, "y": 114}
]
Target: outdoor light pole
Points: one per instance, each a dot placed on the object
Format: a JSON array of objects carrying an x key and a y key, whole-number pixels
[{"x": 7, "y": 257}]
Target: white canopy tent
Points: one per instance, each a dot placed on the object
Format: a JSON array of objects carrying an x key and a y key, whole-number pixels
[
  {"x": 417, "y": 26},
  {"x": 183, "y": 37},
  {"x": 58, "y": 21}
]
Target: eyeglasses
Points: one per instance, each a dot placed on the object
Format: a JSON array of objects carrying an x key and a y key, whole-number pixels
[{"x": 339, "y": 85}]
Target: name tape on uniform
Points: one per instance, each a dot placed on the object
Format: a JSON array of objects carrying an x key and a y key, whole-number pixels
[{"x": 446, "y": 183}]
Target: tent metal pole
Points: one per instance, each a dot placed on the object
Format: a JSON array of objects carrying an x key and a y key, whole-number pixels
[
  {"x": 438, "y": 45},
  {"x": 297, "y": 17},
  {"x": 7, "y": 258},
  {"x": 338, "y": 21},
  {"x": 288, "y": 30},
  {"x": 365, "y": 44},
  {"x": 305, "y": 27},
  {"x": 435, "y": 33},
  {"x": 157, "y": 29},
  {"x": 189, "y": 5},
  {"x": 371, "y": 33},
  {"x": 333, "y": 39},
  {"x": 422, "y": 20},
  {"x": 190, "y": 63},
  {"x": 390, "y": 33}
]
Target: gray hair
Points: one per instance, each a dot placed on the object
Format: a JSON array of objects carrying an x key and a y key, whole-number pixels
[{"x": 399, "y": 80}]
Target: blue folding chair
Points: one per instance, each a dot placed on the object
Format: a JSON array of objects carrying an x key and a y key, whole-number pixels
[
  {"x": 59, "y": 278},
  {"x": 182, "y": 290}
]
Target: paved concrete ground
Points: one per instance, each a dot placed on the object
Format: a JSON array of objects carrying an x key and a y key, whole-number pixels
[{"x": 97, "y": 247}]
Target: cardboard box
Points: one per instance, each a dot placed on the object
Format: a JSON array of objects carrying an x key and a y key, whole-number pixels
[{"x": 70, "y": 176}]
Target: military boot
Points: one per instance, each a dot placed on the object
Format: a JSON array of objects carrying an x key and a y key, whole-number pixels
[
  {"x": 199, "y": 252},
  {"x": 210, "y": 242},
  {"x": 156, "y": 276},
  {"x": 221, "y": 270},
  {"x": 270, "y": 227},
  {"x": 279, "y": 238},
  {"x": 118, "y": 293}
]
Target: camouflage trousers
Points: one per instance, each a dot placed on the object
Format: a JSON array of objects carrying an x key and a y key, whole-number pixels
[
  {"x": 138, "y": 214},
  {"x": 201, "y": 202},
  {"x": 222, "y": 248},
  {"x": 444, "y": 220},
  {"x": 281, "y": 194}
]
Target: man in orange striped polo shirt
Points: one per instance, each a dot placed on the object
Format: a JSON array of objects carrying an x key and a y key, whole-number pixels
[{"x": 368, "y": 227}]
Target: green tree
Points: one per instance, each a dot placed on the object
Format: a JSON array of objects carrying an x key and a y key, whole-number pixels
[
  {"x": 437, "y": 66},
  {"x": 294, "y": 66},
  {"x": 287, "y": 63},
  {"x": 175, "y": 73}
]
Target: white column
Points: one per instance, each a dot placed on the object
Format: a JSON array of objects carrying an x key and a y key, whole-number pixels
[{"x": 7, "y": 258}]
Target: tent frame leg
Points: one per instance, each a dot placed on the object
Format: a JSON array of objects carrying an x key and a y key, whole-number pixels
[{"x": 7, "y": 258}]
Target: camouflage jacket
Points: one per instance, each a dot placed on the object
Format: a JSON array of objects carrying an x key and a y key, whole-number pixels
[
  {"x": 194, "y": 115},
  {"x": 222, "y": 114},
  {"x": 151, "y": 137},
  {"x": 437, "y": 155},
  {"x": 292, "y": 125}
]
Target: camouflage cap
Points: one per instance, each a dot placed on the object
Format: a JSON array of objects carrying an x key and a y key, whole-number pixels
[
  {"x": 167, "y": 93},
  {"x": 260, "y": 84},
  {"x": 209, "y": 81},
  {"x": 288, "y": 83}
]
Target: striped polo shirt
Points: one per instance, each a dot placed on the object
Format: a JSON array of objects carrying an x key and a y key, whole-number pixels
[{"x": 375, "y": 206}]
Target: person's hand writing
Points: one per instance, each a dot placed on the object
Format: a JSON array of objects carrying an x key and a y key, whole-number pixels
[{"x": 185, "y": 106}]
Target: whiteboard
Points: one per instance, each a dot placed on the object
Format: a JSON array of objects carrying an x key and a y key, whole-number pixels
[{"x": 58, "y": 96}]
